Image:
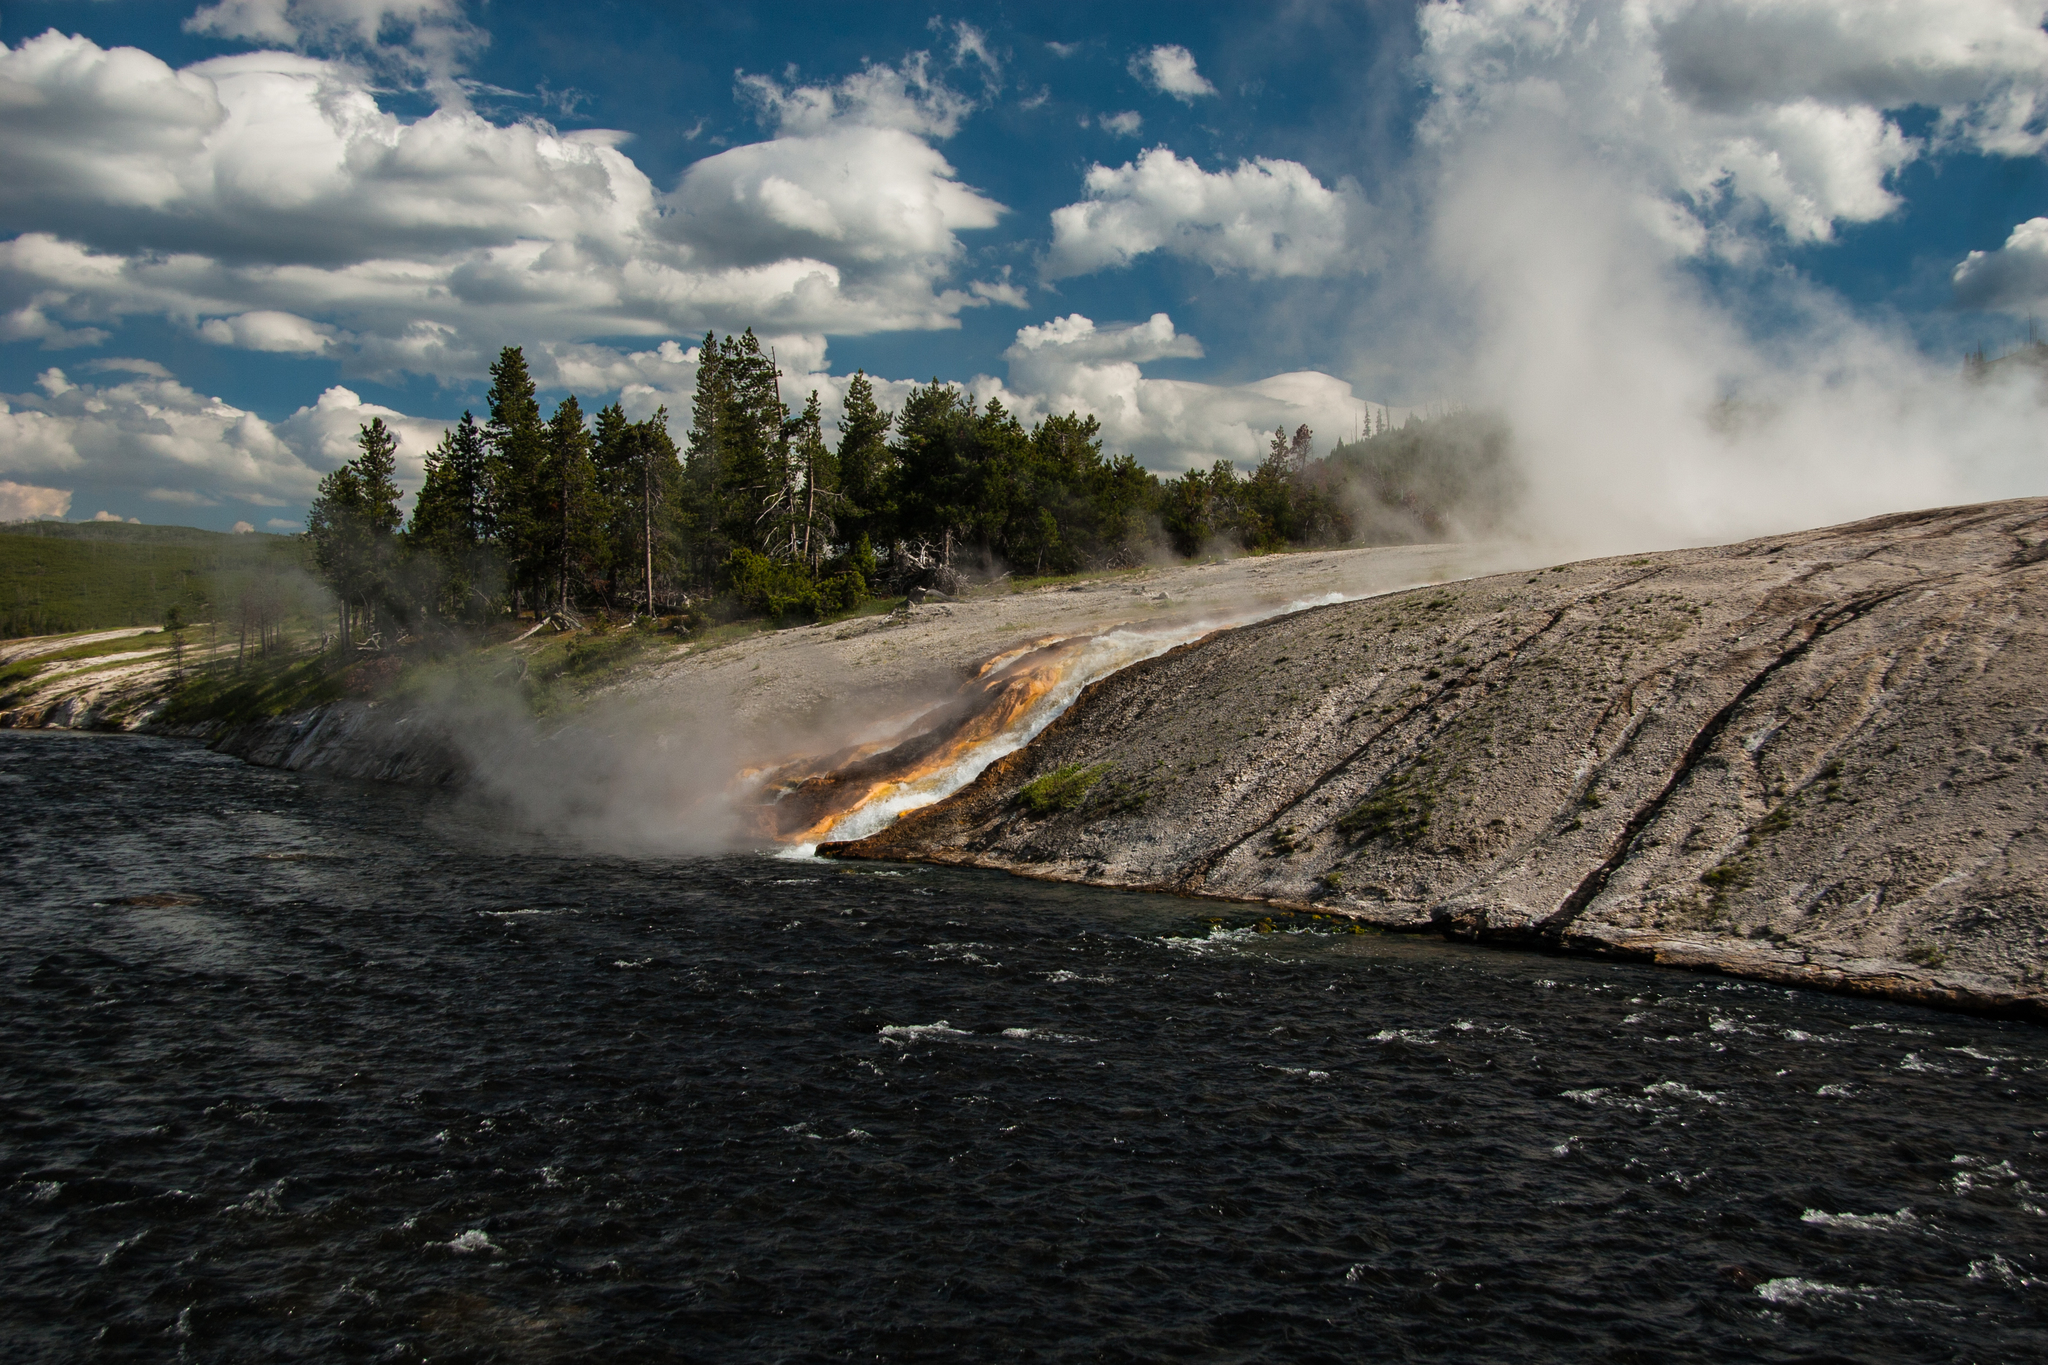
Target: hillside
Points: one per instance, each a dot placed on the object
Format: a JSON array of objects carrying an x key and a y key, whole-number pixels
[
  {"x": 1815, "y": 758},
  {"x": 57, "y": 576}
]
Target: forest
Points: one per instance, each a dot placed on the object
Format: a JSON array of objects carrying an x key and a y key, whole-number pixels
[{"x": 758, "y": 514}]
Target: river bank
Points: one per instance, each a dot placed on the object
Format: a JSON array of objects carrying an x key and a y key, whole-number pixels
[
  {"x": 1817, "y": 759},
  {"x": 1812, "y": 759}
]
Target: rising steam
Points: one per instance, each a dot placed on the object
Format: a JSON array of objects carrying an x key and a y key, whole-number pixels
[{"x": 1608, "y": 195}]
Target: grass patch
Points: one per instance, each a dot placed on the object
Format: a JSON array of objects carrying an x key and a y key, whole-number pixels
[
  {"x": 57, "y": 577},
  {"x": 1399, "y": 808},
  {"x": 1924, "y": 954},
  {"x": 261, "y": 689},
  {"x": 1062, "y": 789}
]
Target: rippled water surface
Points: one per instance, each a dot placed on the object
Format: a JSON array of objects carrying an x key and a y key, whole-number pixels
[{"x": 294, "y": 1069}]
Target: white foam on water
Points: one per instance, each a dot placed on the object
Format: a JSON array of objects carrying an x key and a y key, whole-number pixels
[
  {"x": 1220, "y": 939},
  {"x": 903, "y": 1035},
  {"x": 261, "y": 1202},
  {"x": 474, "y": 1242},
  {"x": 1676, "y": 1090},
  {"x": 1997, "y": 1268},
  {"x": 1046, "y": 1035},
  {"x": 1421, "y": 1037},
  {"x": 1791, "y": 1289},
  {"x": 1904, "y": 1220}
]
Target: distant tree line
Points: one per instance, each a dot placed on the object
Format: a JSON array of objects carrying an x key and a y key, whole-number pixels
[{"x": 759, "y": 514}]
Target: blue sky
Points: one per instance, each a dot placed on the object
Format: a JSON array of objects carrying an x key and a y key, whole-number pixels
[{"x": 231, "y": 233}]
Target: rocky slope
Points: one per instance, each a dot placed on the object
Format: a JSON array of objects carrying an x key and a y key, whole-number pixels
[{"x": 1816, "y": 758}]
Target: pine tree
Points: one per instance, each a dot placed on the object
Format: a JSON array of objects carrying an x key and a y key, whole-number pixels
[
  {"x": 660, "y": 480},
  {"x": 351, "y": 523},
  {"x": 753, "y": 446},
  {"x": 1299, "y": 450},
  {"x": 518, "y": 443},
  {"x": 867, "y": 468},
  {"x": 638, "y": 482},
  {"x": 568, "y": 534},
  {"x": 616, "y": 501},
  {"x": 449, "y": 532},
  {"x": 818, "y": 470}
]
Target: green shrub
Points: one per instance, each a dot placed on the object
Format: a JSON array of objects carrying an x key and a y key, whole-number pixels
[
  {"x": 1061, "y": 789},
  {"x": 786, "y": 589},
  {"x": 1399, "y": 808}
]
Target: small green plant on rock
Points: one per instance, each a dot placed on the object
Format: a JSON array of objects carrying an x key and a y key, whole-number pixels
[
  {"x": 1399, "y": 808},
  {"x": 1061, "y": 789},
  {"x": 1924, "y": 954}
]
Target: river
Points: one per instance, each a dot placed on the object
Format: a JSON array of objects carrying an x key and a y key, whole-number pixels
[{"x": 302, "y": 1069}]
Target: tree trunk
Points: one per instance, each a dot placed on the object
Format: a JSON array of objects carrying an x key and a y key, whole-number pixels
[{"x": 647, "y": 507}]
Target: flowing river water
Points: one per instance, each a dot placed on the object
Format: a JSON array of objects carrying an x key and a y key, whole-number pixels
[{"x": 298, "y": 1069}]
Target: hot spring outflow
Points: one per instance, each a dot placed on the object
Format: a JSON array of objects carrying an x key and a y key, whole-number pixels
[{"x": 925, "y": 756}]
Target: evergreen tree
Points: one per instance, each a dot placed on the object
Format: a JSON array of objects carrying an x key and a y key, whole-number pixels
[
  {"x": 703, "y": 465},
  {"x": 661, "y": 477},
  {"x": 753, "y": 448},
  {"x": 935, "y": 481},
  {"x": 615, "y": 503},
  {"x": 818, "y": 471},
  {"x": 867, "y": 467},
  {"x": 638, "y": 481},
  {"x": 517, "y": 482},
  {"x": 351, "y": 523},
  {"x": 569, "y": 538},
  {"x": 453, "y": 507},
  {"x": 738, "y": 474},
  {"x": 449, "y": 534}
]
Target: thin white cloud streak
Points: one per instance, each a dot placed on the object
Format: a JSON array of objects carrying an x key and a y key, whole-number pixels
[{"x": 427, "y": 40}]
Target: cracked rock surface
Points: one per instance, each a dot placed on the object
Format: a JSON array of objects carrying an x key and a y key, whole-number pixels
[{"x": 1819, "y": 758}]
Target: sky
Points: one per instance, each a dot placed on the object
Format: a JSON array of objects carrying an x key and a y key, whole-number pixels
[{"x": 1717, "y": 261}]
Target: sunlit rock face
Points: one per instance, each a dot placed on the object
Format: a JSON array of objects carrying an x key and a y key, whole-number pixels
[{"x": 1816, "y": 757}]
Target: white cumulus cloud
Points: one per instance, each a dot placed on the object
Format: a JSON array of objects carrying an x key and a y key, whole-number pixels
[
  {"x": 1263, "y": 218},
  {"x": 269, "y": 331},
  {"x": 324, "y": 433},
  {"x": 1071, "y": 365},
  {"x": 1782, "y": 106},
  {"x": 2013, "y": 278},
  {"x": 1170, "y": 69},
  {"x": 148, "y": 435},
  {"x": 26, "y": 502},
  {"x": 907, "y": 97},
  {"x": 267, "y": 201}
]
